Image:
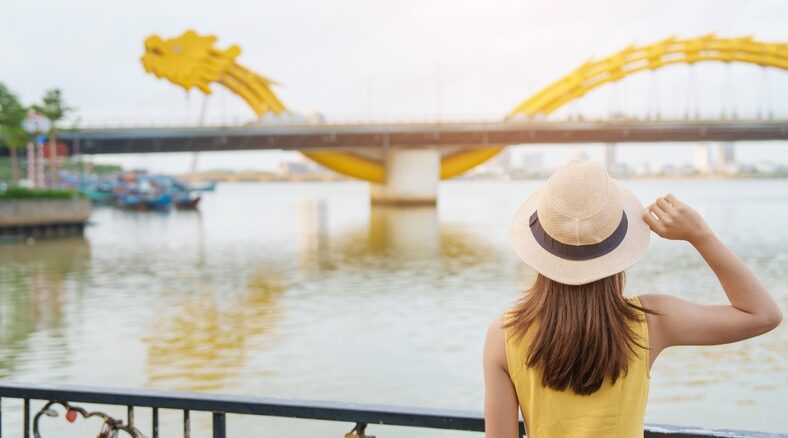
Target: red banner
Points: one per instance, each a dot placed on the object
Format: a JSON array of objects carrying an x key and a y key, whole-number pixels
[{"x": 61, "y": 150}]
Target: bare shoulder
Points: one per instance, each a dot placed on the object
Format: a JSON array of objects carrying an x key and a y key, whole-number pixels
[
  {"x": 495, "y": 343},
  {"x": 495, "y": 331},
  {"x": 658, "y": 307},
  {"x": 497, "y": 323},
  {"x": 656, "y": 302}
]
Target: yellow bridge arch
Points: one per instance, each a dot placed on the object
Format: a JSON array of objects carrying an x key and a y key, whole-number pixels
[{"x": 191, "y": 60}]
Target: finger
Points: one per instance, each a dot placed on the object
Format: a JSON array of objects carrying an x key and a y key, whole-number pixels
[
  {"x": 672, "y": 199},
  {"x": 664, "y": 204},
  {"x": 652, "y": 222},
  {"x": 660, "y": 213}
]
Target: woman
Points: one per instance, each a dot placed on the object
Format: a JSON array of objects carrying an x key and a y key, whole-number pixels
[{"x": 574, "y": 354}]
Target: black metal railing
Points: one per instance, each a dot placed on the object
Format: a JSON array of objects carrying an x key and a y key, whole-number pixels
[{"x": 360, "y": 415}]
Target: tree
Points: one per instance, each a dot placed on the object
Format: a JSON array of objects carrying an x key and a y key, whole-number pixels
[
  {"x": 54, "y": 108},
  {"x": 12, "y": 113}
]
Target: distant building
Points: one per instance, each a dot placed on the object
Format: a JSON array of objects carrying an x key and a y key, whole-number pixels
[
  {"x": 765, "y": 167},
  {"x": 703, "y": 158},
  {"x": 654, "y": 168},
  {"x": 643, "y": 169},
  {"x": 296, "y": 167},
  {"x": 726, "y": 158},
  {"x": 685, "y": 169},
  {"x": 504, "y": 159},
  {"x": 531, "y": 163},
  {"x": 610, "y": 158}
]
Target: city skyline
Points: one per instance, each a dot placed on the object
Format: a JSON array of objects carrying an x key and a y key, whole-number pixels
[{"x": 633, "y": 155}]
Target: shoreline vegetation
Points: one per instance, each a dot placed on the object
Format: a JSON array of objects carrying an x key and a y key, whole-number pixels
[
  {"x": 226, "y": 175},
  {"x": 23, "y": 193}
]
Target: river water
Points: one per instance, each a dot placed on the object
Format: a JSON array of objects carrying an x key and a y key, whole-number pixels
[{"x": 302, "y": 290}]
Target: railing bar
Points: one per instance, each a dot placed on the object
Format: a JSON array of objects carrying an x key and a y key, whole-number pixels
[
  {"x": 26, "y": 423},
  {"x": 290, "y": 408},
  {"x": 130, "y": 415},
  {"x": 219, "y": 427},
  {"x": 186, "y": 432},
  {"x": 155, "y": 421}
]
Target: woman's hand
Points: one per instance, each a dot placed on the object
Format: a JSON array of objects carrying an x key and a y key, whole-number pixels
[{"x": 672, "y": 219}]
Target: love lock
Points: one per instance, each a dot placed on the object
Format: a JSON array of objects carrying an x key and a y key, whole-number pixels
[
  {"x": 110, "y": 428},
  {"x": 358, "y": 432}
]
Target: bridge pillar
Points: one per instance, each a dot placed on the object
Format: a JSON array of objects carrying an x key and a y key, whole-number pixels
[{"x": 412, "y": 177}]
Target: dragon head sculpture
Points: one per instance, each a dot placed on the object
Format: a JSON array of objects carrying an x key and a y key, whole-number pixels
[{"x": 190, "y": 60}]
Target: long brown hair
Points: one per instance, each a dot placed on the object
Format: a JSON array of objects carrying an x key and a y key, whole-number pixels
[{"x": 583, "y": 334}]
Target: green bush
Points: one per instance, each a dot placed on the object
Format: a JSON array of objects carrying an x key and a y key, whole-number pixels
[{"x": 14, "y": 193}]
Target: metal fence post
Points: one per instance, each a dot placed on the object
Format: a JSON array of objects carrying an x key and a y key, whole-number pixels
[
  {"x": 155, "y": 425},
  {"x": 27, "y": 418},
  {"x": 219, "y": 426},
  {"x": 130, "y": 415}
]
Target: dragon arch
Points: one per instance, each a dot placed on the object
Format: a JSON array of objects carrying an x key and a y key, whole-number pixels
[{"x": 191, "y": 60}]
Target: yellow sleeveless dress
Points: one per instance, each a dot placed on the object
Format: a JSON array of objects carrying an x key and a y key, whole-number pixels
[{"x": 614, "y": 411}]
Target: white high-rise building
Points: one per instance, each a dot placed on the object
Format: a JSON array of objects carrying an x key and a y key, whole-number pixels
[
  {"x": 726, "y": 158},
  {"x": 610, "y": 158},
  {"x": 531, "y": 162},
  {"x": 504, "y": 159},
  {"x": 703, "y": 158}
]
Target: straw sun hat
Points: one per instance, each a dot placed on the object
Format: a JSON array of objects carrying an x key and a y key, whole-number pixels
[{"x": 582, "y": 225}]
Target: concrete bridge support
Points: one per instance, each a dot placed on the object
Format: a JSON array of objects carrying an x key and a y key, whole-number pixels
[{"x": 412, "y": 178}]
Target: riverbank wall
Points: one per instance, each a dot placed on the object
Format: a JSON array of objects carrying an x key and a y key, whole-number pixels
[{"x": 43, "y": 217}]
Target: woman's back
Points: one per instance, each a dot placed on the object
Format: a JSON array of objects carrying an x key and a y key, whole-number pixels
[
  {"x": 574, "y": 355},
  {"x": 614, "y": 410}
]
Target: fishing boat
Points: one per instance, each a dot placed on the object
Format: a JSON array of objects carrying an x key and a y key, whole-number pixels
[
  {"x": 208, "y": 186},
  {"x": 158, "y": 202},
  {"x": 187, "y": 201},
  {"x": 98, "y": 196},
  {"x": 131, "y": 201},
  {"x": 140, "y": 191}
]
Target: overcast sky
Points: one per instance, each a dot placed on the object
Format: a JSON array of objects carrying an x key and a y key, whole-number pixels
[{"x": 407, "y": 59}]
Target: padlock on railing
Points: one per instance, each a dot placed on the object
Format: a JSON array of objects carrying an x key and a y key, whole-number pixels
[
  {"x": 110, "y": 428},
  {"x": 358, "y": 432}
]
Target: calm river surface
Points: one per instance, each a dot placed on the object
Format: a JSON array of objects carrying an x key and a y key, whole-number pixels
[{"x": 302, "y": 290}]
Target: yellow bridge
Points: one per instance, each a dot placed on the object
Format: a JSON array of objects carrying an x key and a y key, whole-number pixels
[{"x": 193, "y": 61}]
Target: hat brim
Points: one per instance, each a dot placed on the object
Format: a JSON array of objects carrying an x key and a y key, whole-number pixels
[{"x": 575, "y": 272}]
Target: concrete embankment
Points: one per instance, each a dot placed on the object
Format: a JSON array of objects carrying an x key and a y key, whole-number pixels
[{"x": 43, "y": 217}]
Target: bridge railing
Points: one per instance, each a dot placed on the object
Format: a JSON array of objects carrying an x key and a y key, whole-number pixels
[
  {"x": 297, "y": 120},
  {"x": 360, "y": 416}
]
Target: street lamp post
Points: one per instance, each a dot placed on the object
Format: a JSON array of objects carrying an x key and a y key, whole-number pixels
[{"x": 37, "y": 125}]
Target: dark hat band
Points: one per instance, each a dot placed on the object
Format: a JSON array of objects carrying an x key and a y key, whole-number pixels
[{"x": 578, "y": 252}]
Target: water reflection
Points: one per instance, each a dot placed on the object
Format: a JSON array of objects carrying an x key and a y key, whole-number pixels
[
  {"x": 35, "y": 281},
  {"x": 201, "y": 342},
  {"x": 390, "y": 239},
  {"x": 404, "y": 232},
  {"x": 313, "y": 247}
]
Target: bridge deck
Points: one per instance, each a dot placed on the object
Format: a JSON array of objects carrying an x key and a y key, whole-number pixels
[{"x": 465, "y": 135}]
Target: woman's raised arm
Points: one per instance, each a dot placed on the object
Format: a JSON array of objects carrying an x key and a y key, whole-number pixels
[{"x": 680, "y": 322}]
